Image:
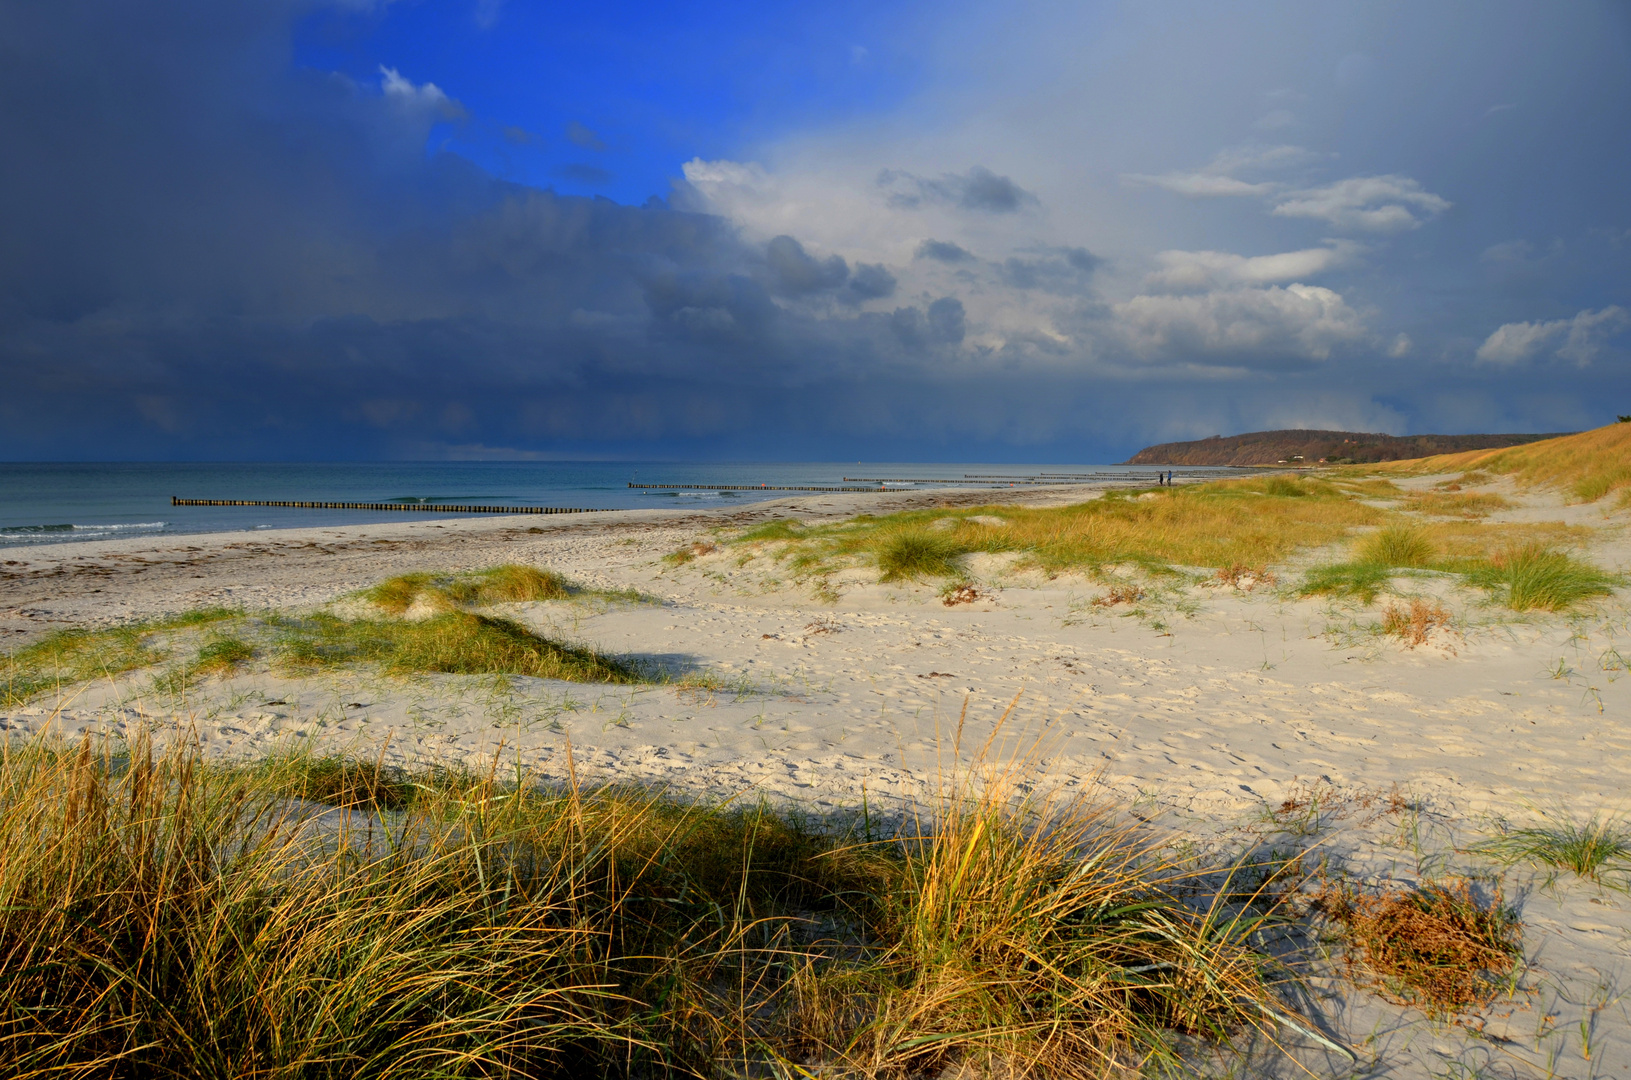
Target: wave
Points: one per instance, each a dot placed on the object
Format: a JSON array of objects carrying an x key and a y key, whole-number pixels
[{"x": 47, "y": 534}]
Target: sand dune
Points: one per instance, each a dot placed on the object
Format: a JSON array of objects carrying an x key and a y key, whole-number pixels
[{"x": 1209, "y": 708}]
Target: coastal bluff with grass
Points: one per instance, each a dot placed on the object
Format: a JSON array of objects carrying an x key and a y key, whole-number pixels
[
  {"x": 1309, "y": 447},
  {"x": 1308, "y": 772}
]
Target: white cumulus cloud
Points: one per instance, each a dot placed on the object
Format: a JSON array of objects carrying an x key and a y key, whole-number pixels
[
  {"x": 427, "y": 96},
  {"x": 1182, "y": 271},
  {"x": 1579, "y": 339},
  {"x": 1370, "y": 203},
  {"x": 1240, "y": 326}
]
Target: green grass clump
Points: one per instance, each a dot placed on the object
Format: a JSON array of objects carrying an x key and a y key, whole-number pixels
[
  {"x": 195, "y": 920},
  {"x": 1361, "y": 580},
  {"x": 1535, "y": 577},
  {"x": 916, "y": 554},
  {"x": 222, "y": 655},
  {"x": 784, "y": 529},
  {"x": 1586, "y": 849},
  {"x": 455, "y": 642},
  {"x": 1376, "y": 557},
  {"x": 1397, "y": 546}
]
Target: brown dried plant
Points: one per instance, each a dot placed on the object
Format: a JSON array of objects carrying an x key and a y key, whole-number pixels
[
  {"x": 1436, "y": 946},
  {"x": 1120, "y": 594},
  {"x": 1415, "y": 624}
]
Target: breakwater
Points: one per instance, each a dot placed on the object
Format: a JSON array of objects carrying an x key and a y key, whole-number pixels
[
  {"x": 748, "y": 487},
  {"x": 437, "y": 507}
]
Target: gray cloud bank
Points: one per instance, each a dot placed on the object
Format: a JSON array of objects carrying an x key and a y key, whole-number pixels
[{"x": 210, "y": 253}]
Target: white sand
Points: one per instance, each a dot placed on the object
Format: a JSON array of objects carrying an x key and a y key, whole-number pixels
[{"x": 1212, "y": 706}]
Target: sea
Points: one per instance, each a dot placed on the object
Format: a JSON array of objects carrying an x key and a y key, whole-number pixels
[{"x": 47, "y": 503}]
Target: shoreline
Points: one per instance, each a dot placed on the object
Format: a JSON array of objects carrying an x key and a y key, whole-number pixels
[{"x": 1228, "y": 715}]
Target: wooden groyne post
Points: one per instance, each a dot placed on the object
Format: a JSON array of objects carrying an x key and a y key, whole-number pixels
[{"x": 437, "y": 507}]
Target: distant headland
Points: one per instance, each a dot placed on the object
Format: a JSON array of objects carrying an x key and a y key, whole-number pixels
[{"x": 1331, "y": 447}]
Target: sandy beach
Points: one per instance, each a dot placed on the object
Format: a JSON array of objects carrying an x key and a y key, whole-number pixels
[{"x": 1210, "y": 709}]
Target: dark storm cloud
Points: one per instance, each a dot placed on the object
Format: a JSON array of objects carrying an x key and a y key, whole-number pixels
[
  {"x": 796, "y": 272},
  {"x": 943, "y": 324},
  {"x": 1061, "y": 270},
  {"x": 872, "y": 282},
  {"x": 942, "y": 251},
  {"x": 205, "y": 252},
  {"x": 209, "y": 254}
]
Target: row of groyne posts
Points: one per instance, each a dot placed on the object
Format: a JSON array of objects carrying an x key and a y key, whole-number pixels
[{"x": 968, "y": 479}]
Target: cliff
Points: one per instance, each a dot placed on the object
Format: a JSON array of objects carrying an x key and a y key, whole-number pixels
[{"x": 1309, "y": 447}]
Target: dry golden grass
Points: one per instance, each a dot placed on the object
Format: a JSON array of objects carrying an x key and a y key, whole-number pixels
[
  {"x": 160, "y": 916},
  {"x": 1588, "y": 465},
  {"x": 430, "y": 593},
  {"x": 1459, "y": 541},
  {"x": 1467, "y": 504},
  {"x": 1252, "y": 522},
  {"x": 454, "y": 642}
]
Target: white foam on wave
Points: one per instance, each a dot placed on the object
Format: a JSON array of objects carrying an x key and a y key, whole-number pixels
[{"x": 12, "y": 535}]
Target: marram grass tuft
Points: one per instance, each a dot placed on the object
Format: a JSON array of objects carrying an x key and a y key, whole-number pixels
[{"x": 188, "y": 919}]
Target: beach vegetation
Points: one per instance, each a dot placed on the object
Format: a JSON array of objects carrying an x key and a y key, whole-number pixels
[
  {"x": 1397, "y": 546},
  {"x": 507, "y": 584},
  {"x": 1414, "y": 623},
  {"x": 77, "y": 655},
  {"x": 453, "y": 642},
  {"x": 1586, "y": 466},
  {"x": 1535, "y": 577},
  {"x": 1255, "y": 521},
  {"x": 696, "y": 549},
  {"x": 1360, "y": 580},
  {"x": 1437, "y": 945},
  {"x": 1589, "y": 849},
  {"x": 196, "y": 919},
  {"x": 1463, "y": 504},
  {"x": 438, "y": 634},
  {"x": 913, "y": 554},
  {"x": 222, "y": 654}
]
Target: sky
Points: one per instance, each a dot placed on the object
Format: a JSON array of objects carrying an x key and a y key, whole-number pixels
[{"x": 953, "y": 231}]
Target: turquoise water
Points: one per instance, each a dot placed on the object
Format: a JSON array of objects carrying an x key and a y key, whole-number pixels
[{"x": 54, "y": 503}]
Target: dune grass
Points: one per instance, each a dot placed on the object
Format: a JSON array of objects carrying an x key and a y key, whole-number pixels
[
  {"x": 1463, "y": 504},
  {"x": 1535, "y": 577},
  {"x": 165, "y": 916},
  {"x": 910, "y": 555},
  {"x": 510, "y": 583},
  {"x": 1253, "y": 522},
  {"x": 1397, "y": 546},
  {"x": 1588, "y": 849},
  {"x": 77, "y": 655},
  {"x": 453, "y": 642},
  {"x": 1587, "y": 465},
  {"x": 1414, "y": 624},
  {"x": 1377, "y": 557},
  {"x": 448, "y": 639},
  {"x": 1520, "y": 573}
]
